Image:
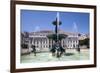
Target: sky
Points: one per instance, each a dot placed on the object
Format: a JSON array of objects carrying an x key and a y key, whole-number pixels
[{"x": 32, "y": 20}]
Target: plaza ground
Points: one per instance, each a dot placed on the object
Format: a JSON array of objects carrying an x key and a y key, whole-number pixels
[{"x": 47, "y": 56}]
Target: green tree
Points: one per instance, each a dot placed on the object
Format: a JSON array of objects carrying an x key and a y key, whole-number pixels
[{"x": 84, "y": 42}]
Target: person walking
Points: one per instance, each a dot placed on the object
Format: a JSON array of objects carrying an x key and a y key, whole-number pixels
[{"x": 34, "y": 49}]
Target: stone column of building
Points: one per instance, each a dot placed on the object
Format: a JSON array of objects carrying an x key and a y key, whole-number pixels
[
  {"x": 71, "y": 43},
  {"x": 68, "y": 44},
  {"x": 50, "y": 43},
  {"x": 75, "y": 43},
  {"x": 42, "y": 43},
  {"x": 47, "y": 43},
  {"x": 33, "y": 41},
  {"x": 65, "y": 41},
  {"x": 39, "y": 44},
  {"x": 36, "y": 43}
]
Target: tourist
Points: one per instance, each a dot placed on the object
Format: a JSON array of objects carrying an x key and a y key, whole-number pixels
[{"x": 34, "y": 50}]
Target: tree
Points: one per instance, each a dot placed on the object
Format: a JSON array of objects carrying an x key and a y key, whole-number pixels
[{"x": 84, "y": 42}]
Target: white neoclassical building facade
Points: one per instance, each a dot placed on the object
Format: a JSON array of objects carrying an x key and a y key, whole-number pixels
[{"x": 40, "y": 40}]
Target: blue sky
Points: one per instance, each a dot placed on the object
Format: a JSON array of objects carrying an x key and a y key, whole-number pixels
[{"x": 42, "y": 20}]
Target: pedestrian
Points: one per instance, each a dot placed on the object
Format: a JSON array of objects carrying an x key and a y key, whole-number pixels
[
  {"x": 78, "y": 49},
  {"x": 34, "y": 50}
]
